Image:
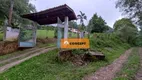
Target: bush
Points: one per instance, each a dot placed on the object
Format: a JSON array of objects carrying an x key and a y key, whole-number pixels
[{"x": 100, "y": 40}]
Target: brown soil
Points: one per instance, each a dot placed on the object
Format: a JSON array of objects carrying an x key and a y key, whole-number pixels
[
  {"x": 139, "y": 73},
  {"x": 8, "y": 47},
  {"x": 67, "y": 55},
  {"x": 108, "y": 72},
  {"x": 78, "y": 59}
]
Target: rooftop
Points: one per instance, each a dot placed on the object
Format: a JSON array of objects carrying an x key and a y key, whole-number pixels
[{"x": 49, "y": 16}]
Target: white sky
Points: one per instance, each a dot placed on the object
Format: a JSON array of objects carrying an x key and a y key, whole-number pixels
[{"x": 104, "y": 8}]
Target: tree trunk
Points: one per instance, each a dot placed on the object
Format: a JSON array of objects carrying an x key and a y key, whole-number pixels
[
  {"x": 9, "y": 19},
  {"x": 10, "y": 12}
]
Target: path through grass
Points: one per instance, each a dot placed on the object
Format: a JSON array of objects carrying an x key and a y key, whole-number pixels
[
  {"x": 46, "y": 67},
  {"x": 130, "y": 67}
]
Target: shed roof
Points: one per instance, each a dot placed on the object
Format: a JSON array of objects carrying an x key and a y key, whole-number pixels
[{"x": 49, "y": 16}]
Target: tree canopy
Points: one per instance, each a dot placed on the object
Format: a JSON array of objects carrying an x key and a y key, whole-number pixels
[
  {"x": 20, "y": 7},
  {"x": 133, "y": 8},
  {"x": 73, "y": 24},
  {"x": 82, "y": 17},
  {"x": 122, "y": 23},
  {"x": 126, "y": 30},
  {"x": 97, "y": 24}
]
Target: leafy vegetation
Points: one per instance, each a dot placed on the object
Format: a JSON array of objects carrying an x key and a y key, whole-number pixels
[
  {"x": 82, "y": 16},
  {"x": 130, "y": 67},
  {"x": 1, "y": 36},
  {"x": 126, "y": 30},
  {"x": 132, "y": 8},
  {"x": 26, "y": 35},
  {"x": 47, "y": 67},
  {"x": 20, "y": 7},
  {"x": 97, "y": 24}
]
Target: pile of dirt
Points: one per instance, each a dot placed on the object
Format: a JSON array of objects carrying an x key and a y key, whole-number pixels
[
  {"x": 76, "y": 59},
  {"x": 8, "y": 47}
]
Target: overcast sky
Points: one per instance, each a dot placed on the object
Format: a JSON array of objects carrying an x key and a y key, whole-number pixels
[{"x": 104, "y": 8}]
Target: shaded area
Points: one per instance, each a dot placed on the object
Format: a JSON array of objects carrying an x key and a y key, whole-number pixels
[{"x": 50, "y": 16}]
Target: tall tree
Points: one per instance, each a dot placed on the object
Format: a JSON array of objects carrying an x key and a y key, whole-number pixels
[
  {"x": 12, "y": 9},
  {"x": 122, "y": 23},
  {"x": 133, "y": 8},
  {"x": 97, "y": 24},
  {"x": 126, "y": 30},
  {"x": 20, "y": 7},
  {"x": 82, "y": 17}
]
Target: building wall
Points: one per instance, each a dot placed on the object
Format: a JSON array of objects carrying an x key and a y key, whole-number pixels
[{"x": 12, "y": 34}]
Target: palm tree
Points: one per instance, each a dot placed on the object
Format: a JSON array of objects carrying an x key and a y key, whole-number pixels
[{"x": 82, "y": 17}]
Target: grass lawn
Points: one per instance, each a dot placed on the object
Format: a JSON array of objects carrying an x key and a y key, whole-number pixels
[
  {"x": 130, "y": 67},
  {"x": 46, "y": 67},
  {"x": 1, "y": 36},
  {"x": 50, "y": 34},
  {"x": 45, "y": 33}
]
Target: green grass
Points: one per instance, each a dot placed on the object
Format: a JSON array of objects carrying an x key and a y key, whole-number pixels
[
  {"x": 45, "y": 33},
  {"x": 50, "y": 34},
  {"x": 130, "y": 67},
  {"x": 1, "y": 36},
  {"x": 46, "y": 66},
  {"x": 49, "y": 45}
]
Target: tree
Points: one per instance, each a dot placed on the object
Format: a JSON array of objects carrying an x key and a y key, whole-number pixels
[
  {"x": 72, "y": 25},
  {"x": 82, "y": 17},
  {"x": 20, "y": 7},
  {"x": 133, "y": 8},
  {"x": 12, "y": 9},
  {"x": 120, "y": 24},
  {"x": 126, "y": 30},
  {"x": 97, "y": 24}
]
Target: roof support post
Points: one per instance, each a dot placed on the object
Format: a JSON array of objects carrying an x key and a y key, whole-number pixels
[
  {"x": 66, "y": 28},
  {"x": 59, "y": 35}
]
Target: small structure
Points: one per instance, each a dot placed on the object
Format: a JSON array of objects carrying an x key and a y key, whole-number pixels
[
  {"x": 27, "y": 36},
  {"x": 54, "y": 15}
]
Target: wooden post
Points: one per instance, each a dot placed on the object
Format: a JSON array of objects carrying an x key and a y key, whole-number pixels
[{"x": 66, "y": 28}]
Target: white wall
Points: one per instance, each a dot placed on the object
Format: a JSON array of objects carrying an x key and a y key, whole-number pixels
[{"x": 12, "y": 34}]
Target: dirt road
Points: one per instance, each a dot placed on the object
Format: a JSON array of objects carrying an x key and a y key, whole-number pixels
[
  {"x": 17, "y": 59},
  {"x": 139, "y": 73},
  {"x": 108, "y": 72}
]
